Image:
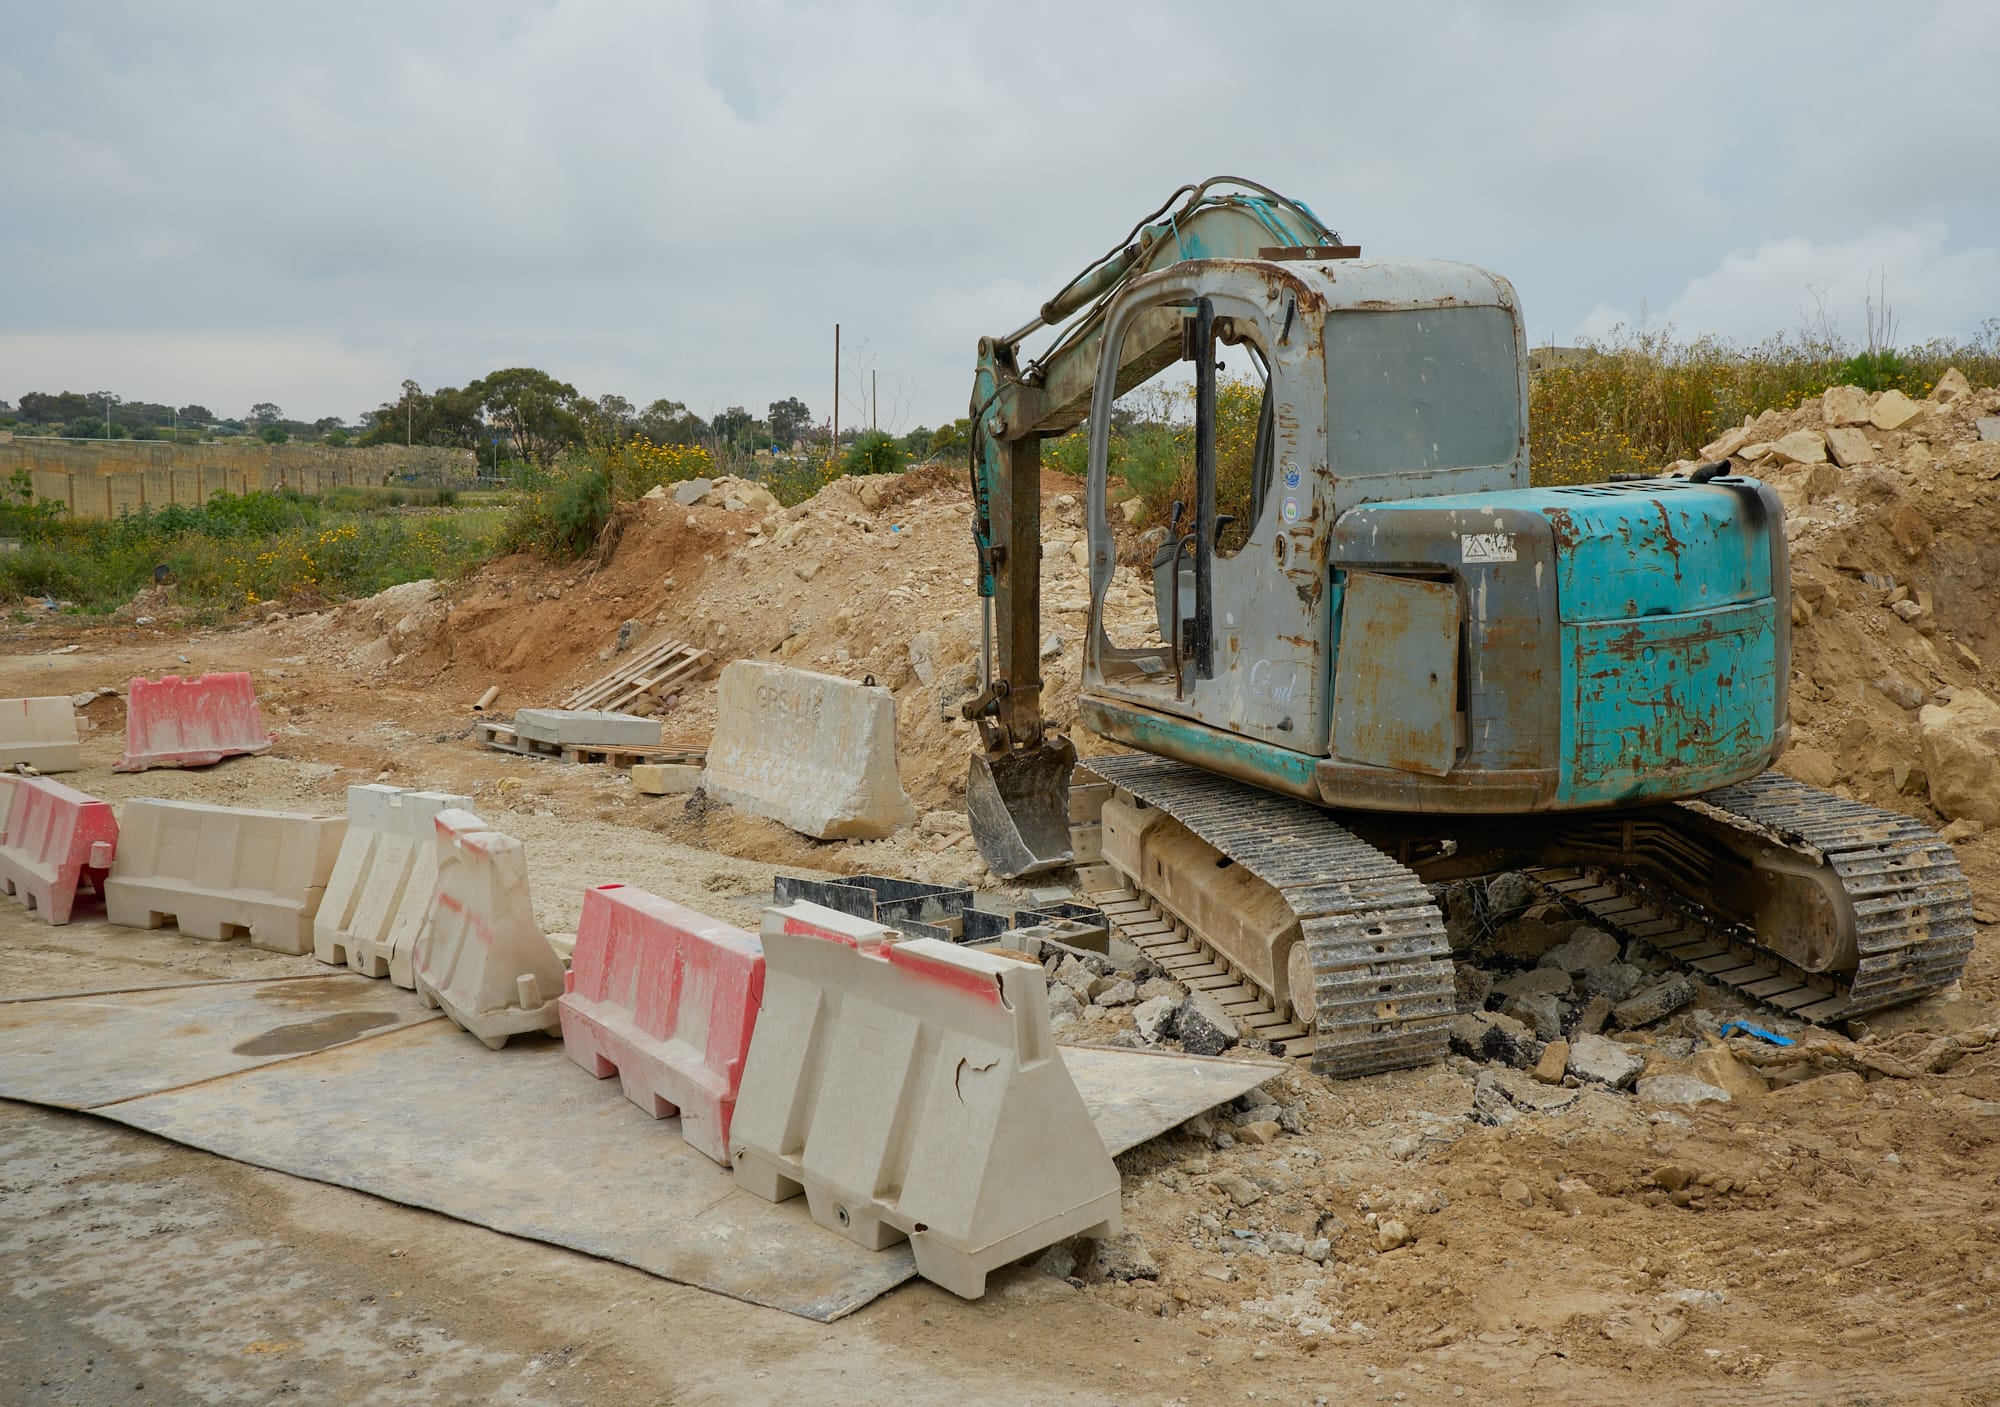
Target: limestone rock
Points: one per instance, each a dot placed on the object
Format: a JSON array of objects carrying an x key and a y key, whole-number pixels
[
  {"x": 1540, "y": 1011},
  {"x": 1122, "y": 1257},
  {"x": 1582, "y": 950},
  {"x": 1988, "y": 427},
  {"x": 1550, "y": 979},
  {"x": 1844, "y": 405},
  {"x": 1912, "y": 531},
  {"x": 1950, "y": 387},
  {"x": 1661, "y": 999},
  {"x": 1801, "y": 447},
  {"x": 1680, "y": 1089},
  {"x": 1893, "y": 410},
  {"x": 692, "y": 491},
  {"x": 1716, "y": 1066},
  {"x": 1603, "y": 1061},
  {"x": 1850, "y": 447},
  {"x": 1554, "y": 1063},
  {"x": 1613, "y": 981},
  {"x": 1202, "y": 1026},
  {"x": 1961, "y": 751},
  {"x": 1134, "y": 511},
  {"x": 1153, "y": 1017},
  {"x": 1725, "y": 444}
]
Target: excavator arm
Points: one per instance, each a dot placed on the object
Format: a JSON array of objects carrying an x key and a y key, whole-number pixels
[{"x": 1017, "y": 790}]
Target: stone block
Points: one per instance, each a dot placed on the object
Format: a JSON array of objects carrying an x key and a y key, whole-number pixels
[
  {"x": 1600, "y": 1060},
  {"x": 665, "y": 778},
  {"x": 1850, "y": 447},
  {"x": 811, "y": 751},
  {"x": 40, "y": 733},
  {"x": 586, "y": 727}
]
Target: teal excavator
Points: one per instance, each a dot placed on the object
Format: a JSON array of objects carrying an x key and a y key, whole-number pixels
[{"x": 1401, "y": 664}]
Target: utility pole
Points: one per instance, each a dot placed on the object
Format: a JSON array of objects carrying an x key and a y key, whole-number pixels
[
  {"x": 874, "y": 402},
  {"x": 107, "y": 415},
  {"x": 833, "y": 450},
  {"x": 409, "y": 423}
]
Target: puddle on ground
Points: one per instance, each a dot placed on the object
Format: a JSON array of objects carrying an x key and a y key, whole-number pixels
[{"x": 317, "y": 1034}]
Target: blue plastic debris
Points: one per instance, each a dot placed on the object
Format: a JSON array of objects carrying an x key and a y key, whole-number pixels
[{"x": 1758, "y": 1031}]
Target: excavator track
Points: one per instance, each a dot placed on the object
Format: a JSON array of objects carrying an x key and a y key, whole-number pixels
[
  {"x": 1912, "y": 903},
  {"x": 1381, "y": 964}
]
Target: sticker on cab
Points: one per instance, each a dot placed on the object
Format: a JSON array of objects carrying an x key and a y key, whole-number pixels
[
  {"x": 1291, "y": 510},
  {"x": 1291, "y": 476},
  {"x": 1486, "y": 547}
]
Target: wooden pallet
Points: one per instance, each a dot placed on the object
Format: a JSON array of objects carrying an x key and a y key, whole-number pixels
[
  {"x": 503, "y": 737},
  {"x": 652, "y": 673},
  {"x": 1198, "y": 968}
]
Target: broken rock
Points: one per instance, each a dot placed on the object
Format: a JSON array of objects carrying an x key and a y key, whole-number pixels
[
  {"x": 1680, "y": 1089},
  {"x": 1603, "y": 1061},
  {"x": 1850, "y": 447},
  {"x": 1844, "y": 405},
  {"x": 1801, "y": 447},
  {"x": 1541, "y": 1012},
  {"x": 1960, "y": 740},
  {"x": 1153, "y": 1016},
  {"x": 1661, "y": 999},
  {"x": 1582, "y": 950},
  {"x": 1203, "y": 1027},
  {"x": 1893, "y": 410}
]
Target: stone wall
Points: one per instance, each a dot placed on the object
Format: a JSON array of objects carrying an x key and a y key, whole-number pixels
[{"x": 107, "y": 478}]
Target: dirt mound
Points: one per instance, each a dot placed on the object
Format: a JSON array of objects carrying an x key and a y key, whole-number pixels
[
  {"x": 872, "y": 577},
  {"x": 1894, "y": 522}
]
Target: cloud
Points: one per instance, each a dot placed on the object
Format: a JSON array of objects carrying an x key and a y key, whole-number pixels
[
  {"x": 1930, "y": 287},
  {"x": 661, "y": 197}
]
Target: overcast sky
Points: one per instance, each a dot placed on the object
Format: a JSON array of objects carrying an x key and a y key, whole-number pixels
[{"x": 237, "y": 202}]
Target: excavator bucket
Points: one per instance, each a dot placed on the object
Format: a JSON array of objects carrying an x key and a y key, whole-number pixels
[{"x": 1018, "y": 805}]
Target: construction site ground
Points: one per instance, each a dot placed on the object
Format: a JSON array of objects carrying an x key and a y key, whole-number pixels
[{"x": 1834, "y": 1240}]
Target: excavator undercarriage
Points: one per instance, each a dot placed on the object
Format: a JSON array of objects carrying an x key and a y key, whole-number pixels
[{"x": 1322, "y": 927}]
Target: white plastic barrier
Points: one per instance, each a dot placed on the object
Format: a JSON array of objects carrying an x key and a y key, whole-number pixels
[
  {"x": 383, "y": 879},
  {"x": 913, "y": 1089},
  {"x": 810, "y": 751},
  {"x": 481, "y": 956},
  {"x": 222, "y": 871},
  {"x": 40, "y": 733}
]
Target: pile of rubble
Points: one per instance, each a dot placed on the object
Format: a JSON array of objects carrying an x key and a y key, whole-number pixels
[{"x": 1891, "y": 515}]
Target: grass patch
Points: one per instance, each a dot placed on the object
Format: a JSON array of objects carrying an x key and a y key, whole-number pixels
[{"x": 234, "y": 551}]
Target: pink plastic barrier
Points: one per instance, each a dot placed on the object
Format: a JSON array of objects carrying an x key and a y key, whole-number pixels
[
  {"x": 176, "y": 722},
  {"x": 666, "y": 998},
  {"x": 55, "y": 838}
]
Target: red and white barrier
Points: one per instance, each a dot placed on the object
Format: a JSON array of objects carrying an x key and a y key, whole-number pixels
[
  {"x": 176, "y": 722},
  {"x": 55, "y": 839},
  {"x": 666, "y": 999},
  {"x": 913, "y": 1089}
]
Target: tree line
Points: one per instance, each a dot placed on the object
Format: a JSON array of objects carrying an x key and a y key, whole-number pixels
[{"x": 516, "y": 413}]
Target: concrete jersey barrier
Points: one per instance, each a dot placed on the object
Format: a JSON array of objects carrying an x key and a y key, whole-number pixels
[
  {"x": 382, "y": 880},
  {"x": 810, "y": 751},
  {"x": 481, "y": 957},
  {"x": 176, "y": 722},
  {"x": 914, "y": 1089},
  {"x": 222, "y": 872},
  {"x": 40, "y": 733},
  {"x": 665, "y": 998},
  {"x": 53, "y": 839}
]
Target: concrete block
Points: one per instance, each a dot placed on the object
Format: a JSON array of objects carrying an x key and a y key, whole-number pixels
[
  {"x": 176, "y": 722},
  {"x": 481, "y": 956},
  {"x": 222, "y": 872},
  {"x": 52, "y": 839},
  {"x": 382, "y": 880},
  {"x": 665, "y": 778},
  {"x": 586, "y": 727},
  {"x": 665, "y": 998},
  {"x": 914, "y": 1090},
  {"x": 41, "y": 733},
  {"x": 810, "y": 751}
]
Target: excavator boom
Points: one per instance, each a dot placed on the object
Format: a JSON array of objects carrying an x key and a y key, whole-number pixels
[{"x": 1018, "y": 787}]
